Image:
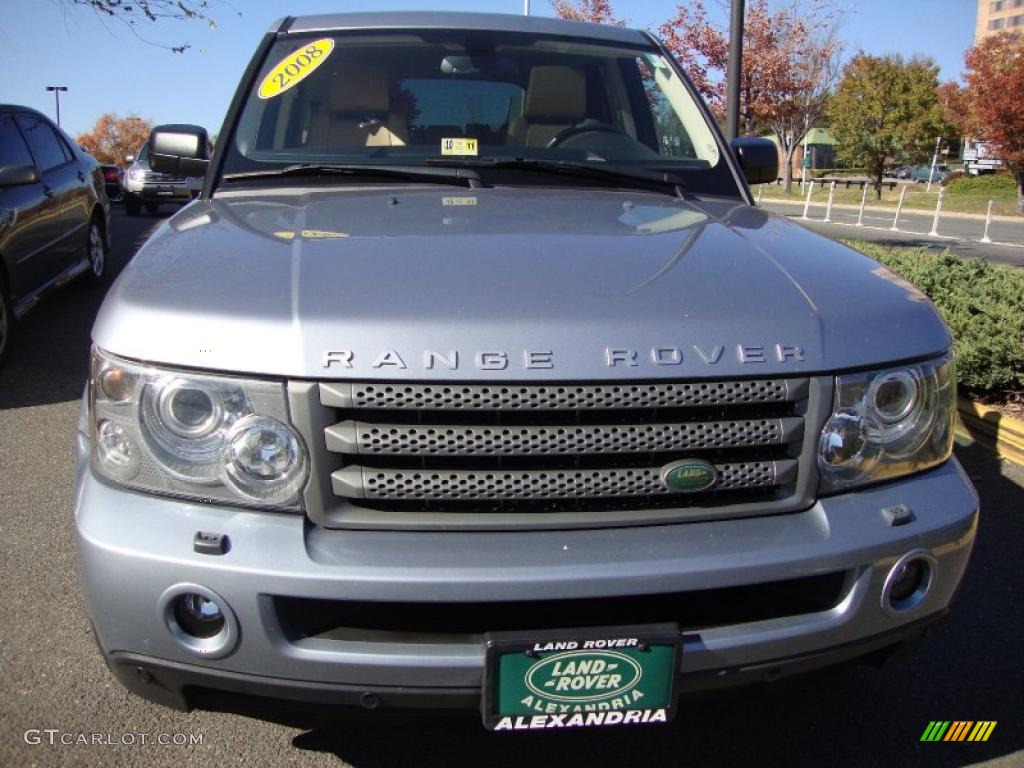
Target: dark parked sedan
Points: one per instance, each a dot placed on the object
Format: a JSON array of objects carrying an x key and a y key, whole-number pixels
[{"x": 54, "y": 214}]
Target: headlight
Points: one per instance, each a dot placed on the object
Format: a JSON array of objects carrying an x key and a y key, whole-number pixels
[
  {"x": 194, "y": 435},
  {"x": 888, "y": 423}
]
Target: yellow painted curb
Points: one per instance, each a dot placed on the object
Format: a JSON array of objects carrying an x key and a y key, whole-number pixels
[{"x": 994, "y": 430}]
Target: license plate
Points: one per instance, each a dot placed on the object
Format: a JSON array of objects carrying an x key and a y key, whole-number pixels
[
  {"x": 165, "y": 192},
  {"x": 580, "y": 678}
]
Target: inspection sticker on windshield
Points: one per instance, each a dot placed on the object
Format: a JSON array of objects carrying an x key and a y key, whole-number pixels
[
  {"x": 295, "y": 67},
  {"x": 458, "y": 146}
]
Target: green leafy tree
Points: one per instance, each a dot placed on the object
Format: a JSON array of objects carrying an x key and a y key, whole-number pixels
[{"x": 886, "y": 107}]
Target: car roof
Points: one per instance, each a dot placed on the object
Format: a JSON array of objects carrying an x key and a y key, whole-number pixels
[
  {"x": 496, "y": 22},
  {"x": 20, "y": 108}
]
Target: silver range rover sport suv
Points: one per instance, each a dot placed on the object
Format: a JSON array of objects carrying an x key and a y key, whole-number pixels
[{"x": 475, "y": 380}]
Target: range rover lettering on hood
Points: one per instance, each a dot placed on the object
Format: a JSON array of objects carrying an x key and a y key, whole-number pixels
[{"x": 500, "y": 360}]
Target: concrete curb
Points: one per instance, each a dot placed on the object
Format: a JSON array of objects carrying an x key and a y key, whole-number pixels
[{"x": 1002, "y": 434}]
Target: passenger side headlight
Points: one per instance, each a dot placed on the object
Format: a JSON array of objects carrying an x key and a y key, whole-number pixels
[
  {"x": 194, "y": 435},
  {"x": 888, "y": 423}
]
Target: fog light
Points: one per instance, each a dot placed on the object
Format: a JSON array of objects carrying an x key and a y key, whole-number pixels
[
  {"x": 199, "y": 619},
  {"x": 907, "y": 579},
  {"x": 198, "y": 616},
  {"x": 908, "y": 582}
]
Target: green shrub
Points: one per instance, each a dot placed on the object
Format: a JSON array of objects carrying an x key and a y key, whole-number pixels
[
  {"x": 982, "y": 303},
  {"x": 989, "y": 184}
]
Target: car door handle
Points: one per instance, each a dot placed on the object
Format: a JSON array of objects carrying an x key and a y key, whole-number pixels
[
  {"x": 48, "y": 191},
  {"x": 81, "y": 176}
]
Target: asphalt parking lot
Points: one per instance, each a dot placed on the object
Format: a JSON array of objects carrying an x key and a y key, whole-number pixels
[{"x": 51, "y": 676}]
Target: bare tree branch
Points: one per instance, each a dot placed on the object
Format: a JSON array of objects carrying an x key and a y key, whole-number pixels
[{"x": 130, "y": 12}]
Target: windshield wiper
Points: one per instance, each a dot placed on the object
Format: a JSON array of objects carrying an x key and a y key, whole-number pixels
[
  {"x": 661, "y": 181},
  {"x": 466, "y": 176}
]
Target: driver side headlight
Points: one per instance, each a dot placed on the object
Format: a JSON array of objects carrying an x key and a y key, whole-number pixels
[
  {"x": 194, "y": 435},
  {"x": 888, "y": 423}
]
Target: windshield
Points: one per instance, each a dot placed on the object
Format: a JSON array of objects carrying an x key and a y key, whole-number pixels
[{"x": 469, "y": 97}]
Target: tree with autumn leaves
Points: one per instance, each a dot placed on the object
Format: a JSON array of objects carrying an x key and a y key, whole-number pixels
[
  {"x": 594, "y": 11},
  {"x": 995, "y": 100},
  {"x": 113, "y": 137},
  {"x": 790, "y": 61}
]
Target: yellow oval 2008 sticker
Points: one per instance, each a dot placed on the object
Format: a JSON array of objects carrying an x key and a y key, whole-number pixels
[{"x": 295, "y": 68}]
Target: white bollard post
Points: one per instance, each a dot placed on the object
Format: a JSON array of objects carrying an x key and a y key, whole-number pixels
[
  {"x": 988, "y": 220},
  {"x": 828, "y": 208},
  {"x": 863, "y": 200},
  {"x": 807, "y": 202},
  {"x": 760, "y": 189},
  {"x": 899, "y": 207},
  {"x": 938, "y": 210}
]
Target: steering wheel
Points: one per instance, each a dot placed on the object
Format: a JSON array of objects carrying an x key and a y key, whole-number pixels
[{"x": 587, "y": 126}]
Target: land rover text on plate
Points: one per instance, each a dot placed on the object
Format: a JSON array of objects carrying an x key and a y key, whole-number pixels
[{"x": 474, "y": 380}]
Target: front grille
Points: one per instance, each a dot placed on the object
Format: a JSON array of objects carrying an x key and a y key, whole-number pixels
[
  {"x": 560, "y": 450},
  {"x": 153, "y": 177}
]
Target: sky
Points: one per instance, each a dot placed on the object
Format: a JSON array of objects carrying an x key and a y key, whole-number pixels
[{"x": 108, "y": 67}]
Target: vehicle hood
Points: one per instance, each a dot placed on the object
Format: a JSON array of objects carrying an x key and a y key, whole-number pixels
[{"x": 433, "y": 283}]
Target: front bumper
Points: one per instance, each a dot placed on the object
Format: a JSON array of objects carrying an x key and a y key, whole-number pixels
[{"x": 134, "y": 547}]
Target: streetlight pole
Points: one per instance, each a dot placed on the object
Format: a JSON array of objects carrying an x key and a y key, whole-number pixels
[
  {"x": 56, "y": 93},
  {"x": 732, "y": 123},
  {"x": 526, "y": 7}
]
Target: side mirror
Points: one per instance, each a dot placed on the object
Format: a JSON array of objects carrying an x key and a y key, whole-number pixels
[
  {"x": 15, "y": 175},
  {"x": 179, "y": 149},
  {"x": 759, "y": 159}
]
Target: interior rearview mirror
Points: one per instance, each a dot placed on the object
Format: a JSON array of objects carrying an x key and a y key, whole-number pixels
[
  {"x": 758, "y": 158},
  {"x": 179, "y": 149},
  {"x": 477, "y": 64},
  {"x": 14, "y": 175}
]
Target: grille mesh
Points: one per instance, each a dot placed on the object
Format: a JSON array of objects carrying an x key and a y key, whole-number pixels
[
  {"x": 371, "y": 483},
  {"x": 560, "y": 397},
  {"x": 455, "y": 440}
]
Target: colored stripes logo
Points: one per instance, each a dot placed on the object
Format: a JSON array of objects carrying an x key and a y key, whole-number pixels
[{"x": 958, "y": 730}]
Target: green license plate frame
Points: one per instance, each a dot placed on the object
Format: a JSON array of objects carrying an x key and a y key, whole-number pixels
[{"x": 576, "y": 678}]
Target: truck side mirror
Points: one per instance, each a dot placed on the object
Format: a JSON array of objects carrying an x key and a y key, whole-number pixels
[
  {"x": 759, "y": 158},
  {"x": 15, "y": 175},
  {"x": 179, "y": 149}
]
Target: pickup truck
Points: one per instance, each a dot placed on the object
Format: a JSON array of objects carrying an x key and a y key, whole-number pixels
[
  {"x": 475, "y": 380},
  {"x": 143, "y": 186}
]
